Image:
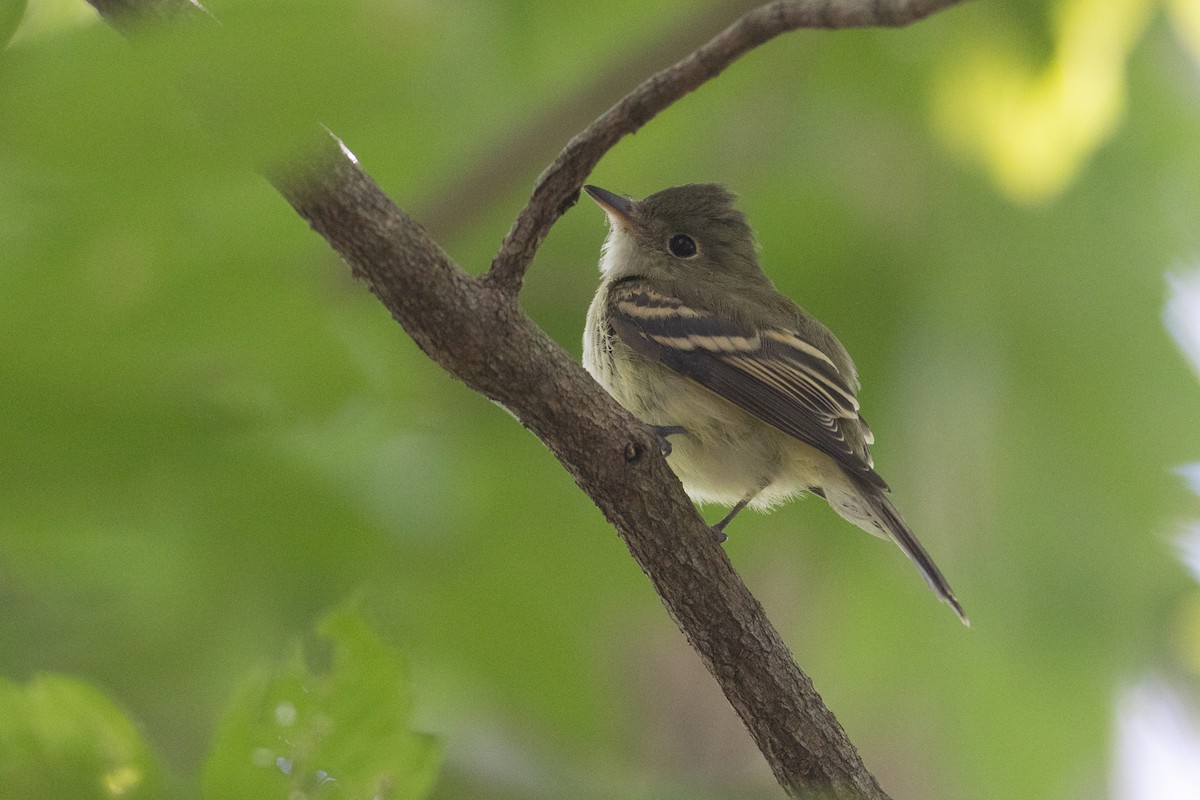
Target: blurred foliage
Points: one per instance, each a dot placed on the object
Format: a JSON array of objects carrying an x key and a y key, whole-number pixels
[
  {"x": 63, "y": 738},
  {"x": 1033, "y": 124},
  {"x": 10, "y": 16},
  {"x": 341, "y": 734},
  {"x": 211, "y": 435}
]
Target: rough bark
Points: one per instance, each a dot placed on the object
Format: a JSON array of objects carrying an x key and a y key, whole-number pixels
[{"x": 475, "y": 329}]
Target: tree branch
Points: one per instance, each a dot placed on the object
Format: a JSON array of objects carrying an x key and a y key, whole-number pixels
[
  {"x": 479, "y": 334},
  {"x": 475, "y": 329},
  {"x": 557, "y": 188}
]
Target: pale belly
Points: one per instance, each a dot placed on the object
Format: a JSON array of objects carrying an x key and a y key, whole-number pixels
[{"x": 726, "y": 454}]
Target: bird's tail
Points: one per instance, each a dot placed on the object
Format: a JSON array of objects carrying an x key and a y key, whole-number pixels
[{"x": 899, "y": 532}]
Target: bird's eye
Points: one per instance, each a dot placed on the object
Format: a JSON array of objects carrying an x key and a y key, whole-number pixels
[{"x": 682, "y": 246}]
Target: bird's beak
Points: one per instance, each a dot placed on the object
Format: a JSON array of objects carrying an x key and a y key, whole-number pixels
[{"x": 619, "y": 209}]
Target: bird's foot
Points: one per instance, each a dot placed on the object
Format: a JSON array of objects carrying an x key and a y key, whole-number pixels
[
  {"x": 719, "y": 528},
  {"x": 662, "y": 432},
  {"x": 718, "y": 533}
]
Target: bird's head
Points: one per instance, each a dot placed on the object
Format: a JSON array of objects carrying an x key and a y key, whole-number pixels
[{"x": 690, "y": 233}]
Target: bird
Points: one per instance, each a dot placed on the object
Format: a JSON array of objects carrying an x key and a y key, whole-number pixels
[{"x": 754, "y": 400}]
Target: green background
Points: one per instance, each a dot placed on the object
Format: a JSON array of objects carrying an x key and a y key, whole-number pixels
[{"x": 210, "y": 436}]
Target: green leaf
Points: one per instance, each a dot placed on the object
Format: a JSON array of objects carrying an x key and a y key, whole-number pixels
[
  {"x": 62, "y": 738},
  {"x": 342, "y": 733}
]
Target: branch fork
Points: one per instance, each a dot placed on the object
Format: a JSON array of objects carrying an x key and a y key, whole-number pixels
[{"x": 475, "y": 329}]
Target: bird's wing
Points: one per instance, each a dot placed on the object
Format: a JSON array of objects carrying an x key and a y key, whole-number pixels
[{"x": 773, "y": 373}]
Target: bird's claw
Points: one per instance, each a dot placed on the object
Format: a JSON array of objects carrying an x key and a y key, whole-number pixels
[{"x": 662, "y": 432}]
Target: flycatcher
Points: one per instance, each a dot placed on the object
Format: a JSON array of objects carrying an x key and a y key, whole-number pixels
[{"x": 689, "y": 334}]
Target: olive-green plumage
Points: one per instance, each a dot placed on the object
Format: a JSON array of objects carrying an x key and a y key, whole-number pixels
[{"x": 687, "y": 332}]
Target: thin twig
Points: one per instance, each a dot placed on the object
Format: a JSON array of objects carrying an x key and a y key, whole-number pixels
[{"x": 557, "y": 188}]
